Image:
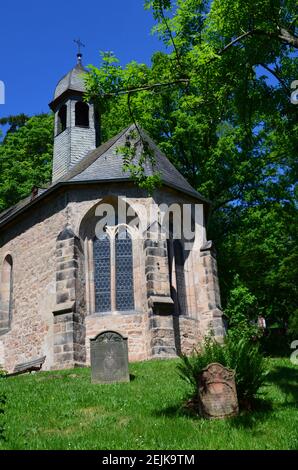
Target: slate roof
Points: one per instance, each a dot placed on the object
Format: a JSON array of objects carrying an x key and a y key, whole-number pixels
[
  {"x": 73, "y": 80},
  {"x": 104, "y": 165},
  {"x": 103, "y": 162}
]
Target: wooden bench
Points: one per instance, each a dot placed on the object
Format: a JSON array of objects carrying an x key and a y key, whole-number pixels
[{"x": 31, "y": 366}]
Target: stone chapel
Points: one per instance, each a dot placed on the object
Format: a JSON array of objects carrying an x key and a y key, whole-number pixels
[{"x": 62, "y": 282}]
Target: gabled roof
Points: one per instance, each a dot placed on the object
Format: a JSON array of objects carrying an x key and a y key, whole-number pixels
[{"x": 105, "y": 165}]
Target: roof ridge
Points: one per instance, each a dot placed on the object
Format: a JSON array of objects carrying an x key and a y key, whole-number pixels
[{"x": 108, "y": 170}]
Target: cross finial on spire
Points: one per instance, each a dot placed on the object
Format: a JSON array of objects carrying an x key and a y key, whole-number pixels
[{"x": 80, "y": 45}]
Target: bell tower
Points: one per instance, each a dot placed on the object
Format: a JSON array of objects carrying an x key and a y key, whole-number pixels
[{"x": 75, "y": 121}]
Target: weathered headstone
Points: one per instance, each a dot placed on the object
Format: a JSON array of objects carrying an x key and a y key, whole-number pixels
[
  {"x": 109, "y": 358},
  {"x": 217, "y": 392}
]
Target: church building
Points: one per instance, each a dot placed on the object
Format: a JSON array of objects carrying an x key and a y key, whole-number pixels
[{"x": 94, "y": 251}]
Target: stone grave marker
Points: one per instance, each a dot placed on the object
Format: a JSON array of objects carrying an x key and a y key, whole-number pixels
[
  {"x": 217, "y": 392},
  {"x": 109, "y": 358}
]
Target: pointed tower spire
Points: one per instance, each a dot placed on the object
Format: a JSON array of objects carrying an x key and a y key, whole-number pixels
[{"x": 76, "y": 122}]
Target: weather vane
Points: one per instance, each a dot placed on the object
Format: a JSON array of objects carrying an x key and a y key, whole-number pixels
[{"x": 79, "y": 44}]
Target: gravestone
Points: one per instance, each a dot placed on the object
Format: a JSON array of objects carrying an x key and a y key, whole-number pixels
[
  {"x": 109, "y": 358},
  {"x": 217, "y": 392}
]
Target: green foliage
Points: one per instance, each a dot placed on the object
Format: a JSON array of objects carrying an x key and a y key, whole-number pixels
[
  {"x": 230, "y": 129},
  {"x": 136, "y": 155},
  {"x": 14, "y": 122},
  {"x": 189, "y": 367},
  {"x": 242, "y": 312},
  {"x": 293, "y": 325},
  {"x": 2, "y": 408},
  {"x": 243, "y": 356},
  {"x": 25, "y": 158}
]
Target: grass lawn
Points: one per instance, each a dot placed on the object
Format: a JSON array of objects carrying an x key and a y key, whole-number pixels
[{"x": 62, "y": 410}]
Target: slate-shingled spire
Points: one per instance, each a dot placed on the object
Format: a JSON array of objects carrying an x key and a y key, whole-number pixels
[{"x": 75, "y": 123}]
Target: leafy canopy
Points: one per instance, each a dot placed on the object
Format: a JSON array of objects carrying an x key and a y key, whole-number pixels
[{"x": 218, "y": 103}]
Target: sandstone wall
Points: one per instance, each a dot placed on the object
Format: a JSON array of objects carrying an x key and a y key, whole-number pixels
[
  {"x": 52, "y": 313},
  {"x": 32, "y": 244}
]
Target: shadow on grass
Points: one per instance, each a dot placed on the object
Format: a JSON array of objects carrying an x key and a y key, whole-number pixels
[
  {"x": 283, "y": 377},
  {"x": 179, "y": 409},
  {"x": 262, "y": 407},
  {"x": 286, "y": 379}
]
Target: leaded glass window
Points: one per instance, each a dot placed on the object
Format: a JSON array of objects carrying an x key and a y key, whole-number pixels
[
  {"x": 124, "y": 272},
  {"x": 102, "y": 273}
]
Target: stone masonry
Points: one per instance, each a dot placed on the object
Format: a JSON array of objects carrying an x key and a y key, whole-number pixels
[{"x": 50, "y": 294}]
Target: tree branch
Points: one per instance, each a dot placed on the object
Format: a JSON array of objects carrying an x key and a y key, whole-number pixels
[
  {"x": 283, "y": 35},
  {"x": 288, "y": 37},
  {"x": 132, "y": 116},
  {"x": 275, "y": 74},
  {"x": 147, "y": 87},
  {"x": 238, "y": 39},
  {"x": 164, "y": 19}
]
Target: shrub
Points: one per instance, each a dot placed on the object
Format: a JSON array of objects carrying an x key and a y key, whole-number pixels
[
  {"x": 243, "y": 356},
  {"x": 241, "y": 312},
  {"x": 293, "y": 325}
]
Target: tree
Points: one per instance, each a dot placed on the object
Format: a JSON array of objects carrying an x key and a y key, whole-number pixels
[
  {"x": 25, "y": 157},
  {"x": 218, "y": 104},
  {"x": 14, "y": 122}
]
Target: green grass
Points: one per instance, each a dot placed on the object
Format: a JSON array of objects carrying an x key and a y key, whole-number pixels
[{"x": 63, "y": 410}]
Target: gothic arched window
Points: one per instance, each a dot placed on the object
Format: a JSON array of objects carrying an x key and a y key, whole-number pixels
[
  {"x": 6, "y": 294},
  {"x": 124, "y": 272},
  {"x": 62, "y": 119},
  {"x": 102, "y": 273},
  {"x": 113, "y": 273},
  {"x": 82, "y": 114}
]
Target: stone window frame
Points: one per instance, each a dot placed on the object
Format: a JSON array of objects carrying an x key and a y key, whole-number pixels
[
  {"x": 6, "y": 292},
  {"x": 137, "y": 246}
]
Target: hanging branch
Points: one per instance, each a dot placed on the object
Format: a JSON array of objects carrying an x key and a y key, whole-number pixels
[
  {"x": 146, "y": 87},
  {"x": 165, "y": 21},
  {"x": 128, "y": 152},
  {"x": 132, "y": 116}
]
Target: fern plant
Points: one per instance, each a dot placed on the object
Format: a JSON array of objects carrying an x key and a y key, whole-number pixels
[{"x": 243, "y": 356}]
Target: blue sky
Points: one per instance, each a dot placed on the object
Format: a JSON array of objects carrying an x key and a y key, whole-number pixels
[{"x": 37, "y": 46}]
